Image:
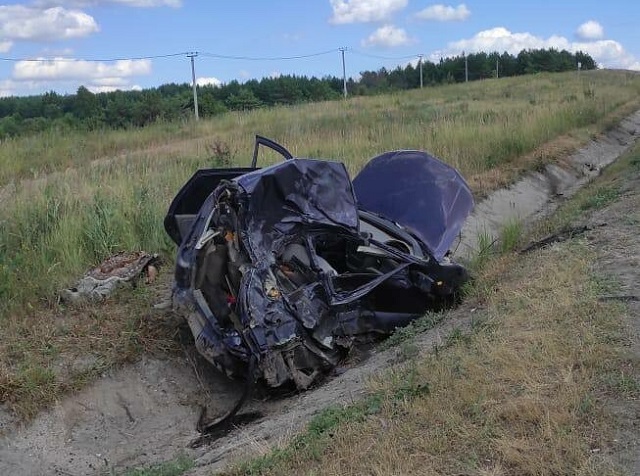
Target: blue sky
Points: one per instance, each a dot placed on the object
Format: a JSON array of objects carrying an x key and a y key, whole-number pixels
[{"x": 61, "y": 44}]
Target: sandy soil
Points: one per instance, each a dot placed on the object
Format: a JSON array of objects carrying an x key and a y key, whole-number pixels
[{"x": 147, "y": 413}]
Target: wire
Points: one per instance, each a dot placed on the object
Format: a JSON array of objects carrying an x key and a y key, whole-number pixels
[
  {"x": 266, "y": 58},
  {"x": 203, "y": 54},
  {"x": 92, "y": 60}
]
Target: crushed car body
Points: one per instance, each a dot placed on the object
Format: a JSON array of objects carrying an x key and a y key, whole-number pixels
[{"x": 280, "y": 270}]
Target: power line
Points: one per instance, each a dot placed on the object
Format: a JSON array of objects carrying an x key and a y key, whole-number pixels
[
  {"x": 267, "y": 58},
  {"x": 91, "y": 60},
  {"x": 202, "y": 54},
  {"x": 168, "y": 55}
]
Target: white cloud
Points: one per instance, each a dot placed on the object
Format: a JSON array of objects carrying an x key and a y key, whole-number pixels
[
  {"x": 97, "y": 88},
  {"x": 10, "y": 87},
  {"x": 18, "y": 22},
  {"x": 109, "y": 82},
  {"x": 208, "y": 81},
  {"x": 387, "y": 36},
  {"x": 68, "y": 74},
  {"x": 444, "y": 13},
  {"x": 127, "y": 3},
  {"x": 500, "y": 39},
  {"x": 607, "y": 53},
  {"x": 591, "y": 30},
  {"x": 63, "y": 69},
  {"x": 364, "y": 11},
  {"x": 105, "y": 89}
]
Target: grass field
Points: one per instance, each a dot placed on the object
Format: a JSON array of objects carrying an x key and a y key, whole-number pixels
[{"x": 69, "y": 201}]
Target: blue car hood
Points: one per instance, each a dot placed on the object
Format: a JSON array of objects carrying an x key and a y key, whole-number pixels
[{"x": 419, "y": 192}]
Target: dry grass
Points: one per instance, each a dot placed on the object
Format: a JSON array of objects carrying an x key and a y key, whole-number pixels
[
  {"x": 518, "y": 396},
  {"x": 475, "y": 126},
  {"x": 55, "y": 350},
  {"x": 70, "y": 201}
]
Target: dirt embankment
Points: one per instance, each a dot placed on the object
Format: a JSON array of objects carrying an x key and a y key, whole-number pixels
[
  {"x": 538, "y": 193},
  {"x": 618, "y": 248},
  {"x": 146, "y": 413}
]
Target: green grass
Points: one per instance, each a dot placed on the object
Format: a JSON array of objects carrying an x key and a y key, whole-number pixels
[
  {"x": 600, "y": 198},
  {"x": 311, "y": 444},
  {"x": 475, "y": 126},
  {"x": 177, "y": 467},
  {"x": 417, "y": 327},
  {"x": 56, "y": 226},
  {"x": 486, "y": 244},
  {"x": 511, "y": 235}
]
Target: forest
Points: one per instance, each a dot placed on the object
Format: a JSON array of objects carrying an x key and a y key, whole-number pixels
[{"x": 85, "y": 110}]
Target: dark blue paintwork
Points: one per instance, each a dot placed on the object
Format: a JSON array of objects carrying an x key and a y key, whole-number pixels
[
  {"x": 293, "y": 329},
  {"x": 418, "y": 191}
]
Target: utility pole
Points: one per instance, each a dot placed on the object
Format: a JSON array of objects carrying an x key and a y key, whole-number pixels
[
  {"x": 466, "y": 68},
  {"x": 420, "y": 61},
  {"x": 344, "y": 72},
  {"x": 192, "y": 55},
  {"x": 497, "y": 66}
]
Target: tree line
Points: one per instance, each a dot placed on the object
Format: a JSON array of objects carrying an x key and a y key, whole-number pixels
[{"x": 169, "y": 102}]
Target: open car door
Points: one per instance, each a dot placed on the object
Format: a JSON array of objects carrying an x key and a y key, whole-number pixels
[{"x": 188, "y": 201}]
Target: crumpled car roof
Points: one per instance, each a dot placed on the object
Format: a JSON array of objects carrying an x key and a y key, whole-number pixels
[{"x": 293, "y": 194}]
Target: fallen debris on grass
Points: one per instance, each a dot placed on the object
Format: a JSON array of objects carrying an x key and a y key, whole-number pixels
[{"x": 99, "y": 282}]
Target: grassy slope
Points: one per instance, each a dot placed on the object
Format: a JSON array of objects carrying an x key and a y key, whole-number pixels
[
  {"x": 54, "y": 226},
  {"x": 519, "y": 395}
]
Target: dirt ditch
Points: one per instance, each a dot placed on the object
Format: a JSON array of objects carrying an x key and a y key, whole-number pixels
[
  {"x": 146, "y": 413},
  {"x": 538, "y": 193}
]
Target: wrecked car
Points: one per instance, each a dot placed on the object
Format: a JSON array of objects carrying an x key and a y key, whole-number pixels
[{"x": 280, "y": 270}]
